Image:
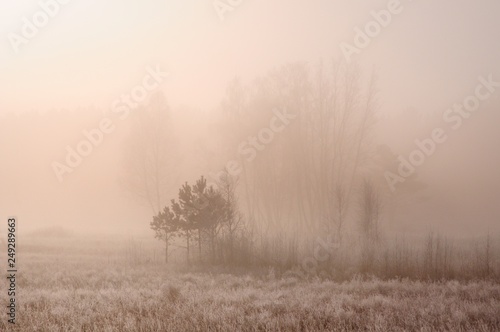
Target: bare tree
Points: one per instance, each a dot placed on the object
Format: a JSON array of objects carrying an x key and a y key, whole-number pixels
[
  {"x": 151, "y": 154},
  {"x": 325, "y": 146},
  {"x": 232, "y": 222},
  {"x": 370, "y": 205},
  {"x": 369, "y": 215}
]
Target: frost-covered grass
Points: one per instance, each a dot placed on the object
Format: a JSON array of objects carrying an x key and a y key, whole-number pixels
[{"x": 64, "y": 291}]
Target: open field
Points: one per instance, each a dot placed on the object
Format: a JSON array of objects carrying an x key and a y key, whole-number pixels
[
  {"x": 99, "y": 290},
  {"x": 246, "y": 166}
]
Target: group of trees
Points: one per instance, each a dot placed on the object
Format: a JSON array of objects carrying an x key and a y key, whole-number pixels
[
  {"x": 303, "y": 184},
  {"x": 204, "y": 215},
  {"x": 319, "y": 176},
  {"x": 309, "y": 179}
]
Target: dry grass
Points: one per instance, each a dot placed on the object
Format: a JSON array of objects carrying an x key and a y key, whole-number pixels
[{"x": 88, "y": 291}]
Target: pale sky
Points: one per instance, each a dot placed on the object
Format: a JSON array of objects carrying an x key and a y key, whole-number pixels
[
  {"x": 427, "y": 58},
  {"x": 92, "y": 51}
]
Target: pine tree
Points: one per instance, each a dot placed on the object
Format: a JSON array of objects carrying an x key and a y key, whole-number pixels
[{"x": 166, "y": 227}]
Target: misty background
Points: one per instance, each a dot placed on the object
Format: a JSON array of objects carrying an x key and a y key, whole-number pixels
[{"x": 65, "y": 80}]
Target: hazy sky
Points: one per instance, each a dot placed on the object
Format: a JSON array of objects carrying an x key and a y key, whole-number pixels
[
  {"x": 92, "y": 51},
  {"x": 429, "y": 57}
]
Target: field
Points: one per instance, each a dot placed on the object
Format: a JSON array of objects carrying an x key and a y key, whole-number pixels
[{"x": 77, "y": 284}]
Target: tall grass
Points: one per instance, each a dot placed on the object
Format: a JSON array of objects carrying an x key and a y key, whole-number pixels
[{"x": 433, "y": 257}]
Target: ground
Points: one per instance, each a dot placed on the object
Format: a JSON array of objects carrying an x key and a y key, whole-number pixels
[{"x": 61, "y": 287}]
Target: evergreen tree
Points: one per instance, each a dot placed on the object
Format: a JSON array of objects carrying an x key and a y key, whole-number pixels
[{"x": 166, "y": 227}]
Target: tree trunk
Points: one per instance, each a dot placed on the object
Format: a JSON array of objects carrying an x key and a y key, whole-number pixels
[
  {"x": 166, "y": 249},
  {"x": 187, "y": 247},
  {"x": 212, "y": 240},
  {"x": 199, "y": 243}
]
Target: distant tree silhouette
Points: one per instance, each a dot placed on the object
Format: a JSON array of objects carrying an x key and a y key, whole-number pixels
[{"x": 151, "y": 155}]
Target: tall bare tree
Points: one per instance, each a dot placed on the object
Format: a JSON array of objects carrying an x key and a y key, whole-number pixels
[
  {"x": 309, "y": 171},
  {"x": 151, "y": 155}
]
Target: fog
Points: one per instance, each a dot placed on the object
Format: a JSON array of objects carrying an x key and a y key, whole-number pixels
[{"x": 214, "y": 77}]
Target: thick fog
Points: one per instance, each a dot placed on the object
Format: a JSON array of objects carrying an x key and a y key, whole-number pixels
[{"x": 210, "y": 77}]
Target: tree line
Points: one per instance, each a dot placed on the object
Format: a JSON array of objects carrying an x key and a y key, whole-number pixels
[{"x": 321, "y": 176}]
